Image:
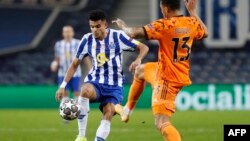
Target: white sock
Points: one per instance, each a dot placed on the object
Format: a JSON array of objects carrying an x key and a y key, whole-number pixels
[
  {"x": 103, "y": 130},
  {"x": 83, "y": 117}
]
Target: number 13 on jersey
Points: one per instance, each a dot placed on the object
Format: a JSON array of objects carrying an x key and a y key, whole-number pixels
[{"x": 185, "y": 46}]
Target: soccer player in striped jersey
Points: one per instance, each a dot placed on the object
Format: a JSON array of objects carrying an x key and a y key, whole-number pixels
[
  {"x": 175, "y": 34},
  {"x": 104, "y": 83},
  {"x": 65, "y": 51}
]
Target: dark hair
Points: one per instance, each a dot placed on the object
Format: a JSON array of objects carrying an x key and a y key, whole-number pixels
[
  {"x": 96, "y": 15},
  {"x": 172, "y": 4}
]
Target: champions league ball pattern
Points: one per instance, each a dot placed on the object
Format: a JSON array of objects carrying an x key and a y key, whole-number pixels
[{"x": 69, "y": 109}]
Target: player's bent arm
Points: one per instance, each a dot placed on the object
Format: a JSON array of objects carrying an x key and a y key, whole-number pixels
[
  {"x": 202, "y": 25},
  {"x": 71, "y": 70},
  {"x": 69, "y": 74},
  {"x": 191, "y": 6},
  {"x": 143, "y": 50}
]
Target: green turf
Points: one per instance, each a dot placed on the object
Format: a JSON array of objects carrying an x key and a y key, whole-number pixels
[{"x": 46, "y": 125}]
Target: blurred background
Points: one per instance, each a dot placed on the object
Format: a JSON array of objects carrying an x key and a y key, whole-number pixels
[{"x": 220, "y": 64}]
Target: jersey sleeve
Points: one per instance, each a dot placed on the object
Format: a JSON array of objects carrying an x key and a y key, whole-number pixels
[
  {"x": 82, "y": 48},
  {"x": 127, "y": 43},
  {"x": 57, "y": 49},
  {"x": 199, "y": 31},
  {"x": 154, "y": 30}
]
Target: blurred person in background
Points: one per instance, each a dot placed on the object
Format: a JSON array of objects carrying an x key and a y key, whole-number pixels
[{"x": 65, "y": 51}]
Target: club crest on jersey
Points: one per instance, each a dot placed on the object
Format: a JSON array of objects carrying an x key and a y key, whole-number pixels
[
  {"x": 101, "y": 59},
  {"x": 150, "y": 26},
  {"x": 111, "y": 45},
  {"x": 68, "y": 55}
]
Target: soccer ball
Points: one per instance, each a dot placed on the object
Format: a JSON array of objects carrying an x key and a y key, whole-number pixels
[{"x": 69, "y": 109}]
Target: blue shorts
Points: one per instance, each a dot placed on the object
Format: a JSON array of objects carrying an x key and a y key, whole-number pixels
[
  {"x": 107, "y": 94},
  {"x": 74, "y": 84}
]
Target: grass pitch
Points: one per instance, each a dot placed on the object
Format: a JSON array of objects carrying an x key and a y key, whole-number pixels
[{"x": 46, "y": 125}]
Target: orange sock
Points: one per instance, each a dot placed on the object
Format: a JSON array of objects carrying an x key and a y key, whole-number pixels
[
  {"x": 135, "y": 92},
  {"x": 170, "y": 133}
]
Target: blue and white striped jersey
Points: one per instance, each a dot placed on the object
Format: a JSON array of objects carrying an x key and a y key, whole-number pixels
[
  {"x": 107, "y": 56},
  {"x": 66, "y": 51}
]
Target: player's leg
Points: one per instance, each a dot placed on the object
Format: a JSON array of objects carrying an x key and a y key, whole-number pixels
[
  {"x": 88, "y": 92},
  {"x": 111, "y": 95},
  {"x": 135, "y": 92},
  {"x": 136, "y": 88},
  {"x": 144, "y": 73},
  {"x": 163, "y": 104},
  {"x": 169, "y": 132},
  {"x": 104, "y": 127}
]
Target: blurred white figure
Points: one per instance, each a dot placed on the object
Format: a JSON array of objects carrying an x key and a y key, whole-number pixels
[{"x": 64, "y": 54}]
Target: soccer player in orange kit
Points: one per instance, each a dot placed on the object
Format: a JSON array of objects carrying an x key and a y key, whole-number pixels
[{"x": 175, "y": 34}]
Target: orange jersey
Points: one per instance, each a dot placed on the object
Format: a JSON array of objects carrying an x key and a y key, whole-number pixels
[{"x": 175, "y": 36}]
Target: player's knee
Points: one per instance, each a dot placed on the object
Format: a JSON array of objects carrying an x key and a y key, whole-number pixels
[
  {"x": 86, "y": 90},
  {"x": 161, "y": 121}
]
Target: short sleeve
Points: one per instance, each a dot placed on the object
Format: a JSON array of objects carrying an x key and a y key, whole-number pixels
[
  {"x": 57, "y": 49},
  {"x": 82, "y": 50},
  {"x": 128, "y": 43},
  {"x": 154, "y": 30}
]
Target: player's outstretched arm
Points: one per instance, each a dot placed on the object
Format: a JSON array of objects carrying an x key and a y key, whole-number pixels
[
  {"x": 191, "y": 6},
  {"x": 133, "y": 32},
  {"x": 143, "y": 52},
  {"x": 69, "y": 74}
]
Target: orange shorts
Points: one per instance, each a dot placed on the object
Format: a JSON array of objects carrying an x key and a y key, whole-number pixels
[
  {"x": 150, "y": 72},
  {"x": 163, "y": 98}
]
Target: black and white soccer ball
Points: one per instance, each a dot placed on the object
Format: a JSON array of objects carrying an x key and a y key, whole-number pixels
[{"x": 69, "y": 109}]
